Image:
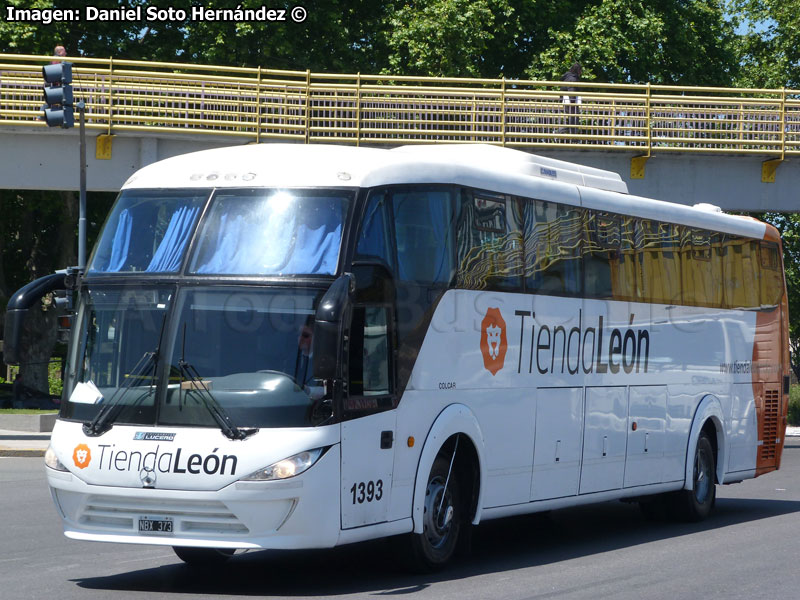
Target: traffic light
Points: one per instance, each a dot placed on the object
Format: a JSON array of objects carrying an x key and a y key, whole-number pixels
[{"x": 58, "y": 110}]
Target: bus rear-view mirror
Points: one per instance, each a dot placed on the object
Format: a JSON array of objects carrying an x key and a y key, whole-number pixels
[
  {"x": 330, "y": 321},
  {"x": 18, "y": 306}
]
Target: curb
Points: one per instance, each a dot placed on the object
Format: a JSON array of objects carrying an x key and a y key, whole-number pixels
[
  {"x": 19, "y": 453},
  {"x": 30, "y": 423}
]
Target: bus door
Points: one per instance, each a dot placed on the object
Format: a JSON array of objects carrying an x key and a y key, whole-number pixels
[{"x": 368, "y": 427}]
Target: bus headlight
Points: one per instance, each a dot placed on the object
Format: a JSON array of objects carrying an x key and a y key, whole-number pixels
[
  {"x": 288, "y": 467},
  {"x": 51, "y": 460}
]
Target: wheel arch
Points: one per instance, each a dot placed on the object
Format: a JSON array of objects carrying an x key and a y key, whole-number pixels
[
  {"x": 455, "y": 419},
  {"x": 708, "y": 417}
]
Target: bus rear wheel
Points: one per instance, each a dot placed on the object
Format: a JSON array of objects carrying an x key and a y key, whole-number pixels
[
  {"x": 201, "y": 557},
  {"x": 441, "y": 520},
  {"x": 696, "y": 504}
]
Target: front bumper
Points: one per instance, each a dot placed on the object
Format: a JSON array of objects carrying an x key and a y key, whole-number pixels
[{"x": 300, "y": 512}]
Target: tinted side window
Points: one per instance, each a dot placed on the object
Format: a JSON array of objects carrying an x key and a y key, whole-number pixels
[
  {"x": 554, "y": 237},
  {"x": 489, "y": 242},
  {"x": 740, "y": 264},
  {"x": 771, "y": 274},
  {"x": 375, "y": 237},
  {"x": 702, "y": 268},
  {"x": 424, "y": 224},
  {"x": 627, "y": 278},
  {"x": 601, "y": 254},
  {"x": 659, "y": 259}
]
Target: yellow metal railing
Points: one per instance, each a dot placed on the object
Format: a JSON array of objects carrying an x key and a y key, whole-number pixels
[{"x": 262, "y": 104}]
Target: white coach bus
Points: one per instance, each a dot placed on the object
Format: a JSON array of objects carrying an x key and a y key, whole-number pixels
[{"x": 287, "y": 346}]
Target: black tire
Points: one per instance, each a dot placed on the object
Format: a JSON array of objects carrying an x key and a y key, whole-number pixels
[
  {"x": 434, "y": 547},
  {"x": 203, "y": 557},
  {"x": 696, "y": 504}
]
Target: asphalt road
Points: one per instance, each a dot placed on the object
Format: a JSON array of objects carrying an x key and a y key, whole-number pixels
[{"x": 749, "y": 548}]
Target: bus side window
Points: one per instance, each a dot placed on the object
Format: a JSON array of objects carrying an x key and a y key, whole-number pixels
[
  {"x": 554, "y": 243},
  {"x": 671, "y": 237},
  {"x": 741, "y": 265},
  {"x": 375, "y": 239},
  {"x": 489, "y": 242},
  {"x": 770, "y": 274},
  {"x": 626, "y": 274},
  {"x": 601, "y": 254},
  {"x": 423, "y": 222},
  {"x": 659, "y": 261},
  {"x": 702, "y": 269}
]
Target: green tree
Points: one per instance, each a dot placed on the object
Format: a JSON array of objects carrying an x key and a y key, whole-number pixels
[
  {"x": 38, "y": 235},
  {"x": 447, "y": 37},
  {"x": 337, "y": 35},
  {"x": 89, "y": 38},
  {"x": 681, "y": 42},
  {"x": 660, "y": 41},
  {"x": 770, "y": 45}
]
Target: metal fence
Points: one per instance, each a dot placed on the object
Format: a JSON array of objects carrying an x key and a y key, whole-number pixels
[{"x": 260, "y": 104}]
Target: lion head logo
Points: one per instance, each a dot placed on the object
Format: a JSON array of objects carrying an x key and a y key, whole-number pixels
[
  {"x": 493, "y": 340},
  {"x": 81, "y": 456}
]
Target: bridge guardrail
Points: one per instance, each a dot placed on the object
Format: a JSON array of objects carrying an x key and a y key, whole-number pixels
[{"x": 261, "y": 104}]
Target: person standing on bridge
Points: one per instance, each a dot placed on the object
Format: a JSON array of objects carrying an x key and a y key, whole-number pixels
[
  {"x": 59, "y": 53},
  {"x": 571, "y": 101}
]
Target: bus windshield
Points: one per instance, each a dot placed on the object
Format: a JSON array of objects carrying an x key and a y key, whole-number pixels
[
  {"x": 248, "y": 348},
  {"x": 271, "y": 232},
  {"x": 245, "y": 349},
  {"x": 148, "y": 231},
  {"x": 244, "y": 232},
  {"x": 118, "y": 333}
]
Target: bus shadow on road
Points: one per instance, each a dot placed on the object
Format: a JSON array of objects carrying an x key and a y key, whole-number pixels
[{"x": 378, "y": 567}]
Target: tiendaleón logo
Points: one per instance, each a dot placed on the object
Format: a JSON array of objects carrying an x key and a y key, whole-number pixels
[
  {"x": 493, "y": 340},
  {"x": 82, "y": 456}
]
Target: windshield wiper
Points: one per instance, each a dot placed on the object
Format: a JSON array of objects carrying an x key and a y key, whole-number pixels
[
  {"x": 105, "y": 417},
  {"x": 211, "y": 404}
]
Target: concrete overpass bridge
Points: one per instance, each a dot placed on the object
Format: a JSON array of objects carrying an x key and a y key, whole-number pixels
[{"x": 737, "y": 148}]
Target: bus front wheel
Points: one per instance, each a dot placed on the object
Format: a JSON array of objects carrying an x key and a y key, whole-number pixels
[
  {"x": 201, "y": 557},
  {"x": 442, "y": 518}
]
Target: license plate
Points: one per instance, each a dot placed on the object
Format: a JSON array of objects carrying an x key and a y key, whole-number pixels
[{"x": 155, "y": 525}]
